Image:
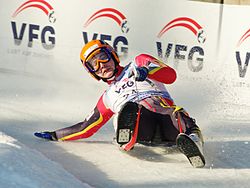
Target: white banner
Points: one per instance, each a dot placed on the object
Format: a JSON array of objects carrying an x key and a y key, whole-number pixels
[{"x": 41, "y": 41}]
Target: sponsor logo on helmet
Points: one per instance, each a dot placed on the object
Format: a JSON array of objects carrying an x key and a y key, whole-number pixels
[
  {"x": 239, "y": 54},
  {"x": 118, "y": 42},
  {"x": 181, "y": 50},
  {"x": 45, "y": 34},
  {"x": 89, "y": 50}
]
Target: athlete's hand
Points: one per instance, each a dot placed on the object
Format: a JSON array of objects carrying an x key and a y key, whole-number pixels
[
  {"x": 140, "y": 73},
  {"x": 46, "y": 135}
]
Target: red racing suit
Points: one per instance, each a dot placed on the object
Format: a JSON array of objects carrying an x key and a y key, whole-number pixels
[{"x": 151, "y": 93}]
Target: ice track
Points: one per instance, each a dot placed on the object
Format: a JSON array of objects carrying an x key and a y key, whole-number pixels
[{"x": 98, "y": 162}]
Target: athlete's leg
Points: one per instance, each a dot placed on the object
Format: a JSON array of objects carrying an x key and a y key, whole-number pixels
[
  {"x": 167, "y": 128},
  {"x": 147, "y": 125},
  {"x": 191, "y": 126}
]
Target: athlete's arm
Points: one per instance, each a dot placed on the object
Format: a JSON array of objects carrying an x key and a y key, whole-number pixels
[
  {"x": 89, "y": 126},
  {"x": 162, "y": 72}
]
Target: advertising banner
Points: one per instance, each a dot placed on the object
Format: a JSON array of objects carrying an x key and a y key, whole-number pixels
[{"x": 40, "y": 41}]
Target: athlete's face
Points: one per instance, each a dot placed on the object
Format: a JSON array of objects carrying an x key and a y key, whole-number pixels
[{"x": 106, "y": 68}]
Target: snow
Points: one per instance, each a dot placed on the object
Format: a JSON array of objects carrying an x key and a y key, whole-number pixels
[
  {"x": 97, "y": 162},
  {"x": 24, "y": 167}
]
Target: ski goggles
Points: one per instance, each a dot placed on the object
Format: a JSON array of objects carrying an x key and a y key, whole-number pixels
[{"x": 92, "y": 62}]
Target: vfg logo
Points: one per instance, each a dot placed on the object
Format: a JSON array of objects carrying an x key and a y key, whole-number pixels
[
  {"x": 195, "y": 54},
  {"x": 120, "y": 43},
  {"x": 239, "y": 55},
  {"x": 46, "y": 34}
]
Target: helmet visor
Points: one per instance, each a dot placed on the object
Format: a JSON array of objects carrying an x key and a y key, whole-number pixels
[{"x": 98, "y": 56}]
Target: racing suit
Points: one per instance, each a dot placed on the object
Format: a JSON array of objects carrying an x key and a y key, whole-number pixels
[{"x": 158, "y": 105}]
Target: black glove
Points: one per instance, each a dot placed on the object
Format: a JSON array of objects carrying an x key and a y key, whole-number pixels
[{"x": 140, "y": 73}]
